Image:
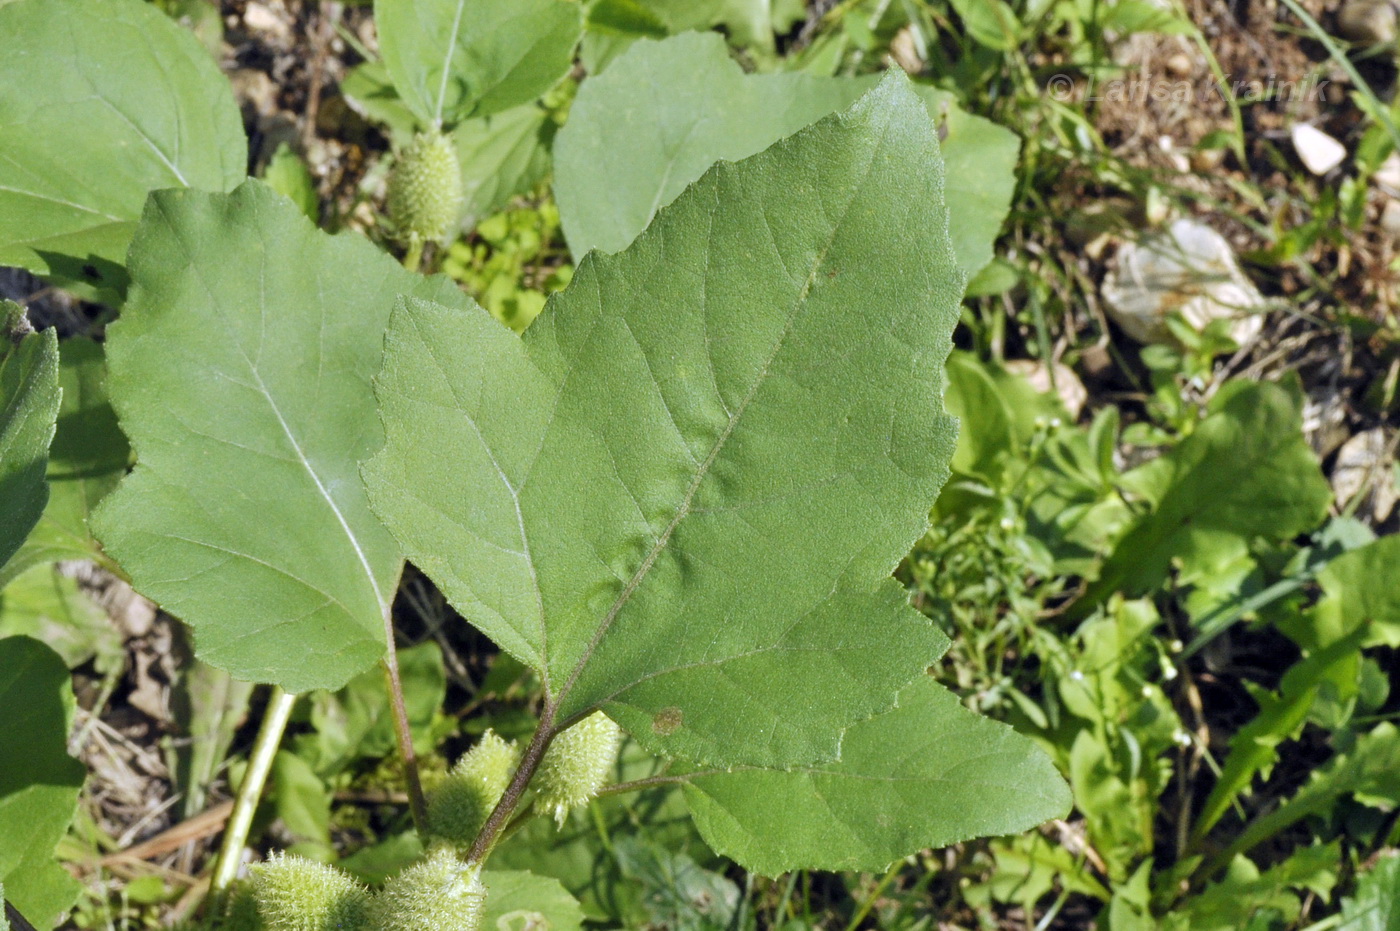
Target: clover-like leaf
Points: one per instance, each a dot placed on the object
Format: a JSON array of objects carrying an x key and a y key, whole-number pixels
[
  {"x": 680, "y": 495},
  {"x": 664, "y": 112},
  {"x": 450, "y": 59},
  {"x": 39, "y": 781},
  {"x": 241, "y": 372},
  {"x": 101, "y": 102},
  {"x": 925, "y": 774},
  {"x": 29, "y": 397}
]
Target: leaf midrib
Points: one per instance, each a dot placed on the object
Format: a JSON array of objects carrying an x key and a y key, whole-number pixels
[
  {"x": 198, "y": 272},
  {"x": 800, "y": 305}
]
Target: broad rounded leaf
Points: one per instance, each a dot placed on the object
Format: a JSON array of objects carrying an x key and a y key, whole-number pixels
[
  {"x": 450, "y": 59},
  {"x": 241, "y": 372},
  {"x": 925, "y": 774},
  {"x": 39, "y": 781},
  {"x": 101, "y": 102},
  {"x": 29, "y": 397},
  {"x": 681, "y": 494},
  {"x": 664, "y": 112}
]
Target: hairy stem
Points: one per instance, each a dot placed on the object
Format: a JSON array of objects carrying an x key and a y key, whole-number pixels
[
  {"x": 279, "y": 709},
  {"x": 416, "y": 803},
  {"x": 492, "y": 830},
  {"x": 637, "y": 785}
]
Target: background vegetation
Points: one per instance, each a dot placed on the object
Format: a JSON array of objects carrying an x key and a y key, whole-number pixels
[{"x": 1166, "y": 552}]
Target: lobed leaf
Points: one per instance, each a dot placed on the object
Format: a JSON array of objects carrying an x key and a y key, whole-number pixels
[
  {"x": 38, "y": 784},
  {"x": 925, "y": 774},
  {"x": 101, "y": 102},
  {"x": 29, "y": 398},
  {"x": 450, "y": 59},
  {"x": 664, "y": 112},
  {"x": 680, "y": 496},
  {"x": 241, "y": 372}
]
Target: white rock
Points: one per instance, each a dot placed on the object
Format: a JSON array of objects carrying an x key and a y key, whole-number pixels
[
  {"x": 1190, "y": 268},
  {"x": 1368, "y": 22},
  {"x": 260, "y": 18},
  {"x": 1364, "y": 467},
  {"x": 1387, "y": 177},
  {"x": 1318, "y": 152},
  {"x": 1073, "y": 394}
]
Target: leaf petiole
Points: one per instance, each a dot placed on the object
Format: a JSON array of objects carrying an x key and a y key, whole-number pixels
[{"x": 279, "y": 710}]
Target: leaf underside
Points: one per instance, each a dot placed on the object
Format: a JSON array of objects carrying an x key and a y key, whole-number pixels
[
  {"x": 101, "y": 102},
  {"x": 241, "y": 372},
  {"x": 680, "y": 496},
  {"x": 450, "y": 59},
  {"x": 664, "y": 112}
]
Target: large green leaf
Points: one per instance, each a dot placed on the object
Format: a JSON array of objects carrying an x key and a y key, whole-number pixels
[
  {"x": 29, "y": 396},
  {"x": 664, "y": 112},
  {"x": 747, "y": 22},
  {"x": 1246, "y": 471},
  {"x": 517, "y": 899},
  {"x": 101, "y": 102},
  {"x": 928, "y": 773},
  {"x": 39, "y": 781},
  {"x": 450, "y": 59},
  {"x": 680, "y": 495},
  {"x": 241, "y": 372},
  {"x": 88, "y": 457}
]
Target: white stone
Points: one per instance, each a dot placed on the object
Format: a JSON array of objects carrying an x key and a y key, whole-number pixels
[
  {"x": 1364, "y": 466},
  {"x": 1189, "y": 268},
  {"x": 1318, "y": 152}
]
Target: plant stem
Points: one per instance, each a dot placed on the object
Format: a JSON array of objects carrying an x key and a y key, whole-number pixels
[
  {"x": 500, "y": 816},
  {"x": 279, "y": 709},
  {"x": 417, "y": 805},
  {"x": 874, "y": 896},
  {"x": 413, "y": 257},
  {"x": 637, "y": 785}
]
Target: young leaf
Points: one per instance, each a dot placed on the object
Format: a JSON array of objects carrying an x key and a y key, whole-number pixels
[
  {"x": 39, "y": 781},
  {"x": 88, "y": 457},
  {"x": 29, "y": 396},
  {"x": 241, "y": 371},
  {"x": 928, "y": 773},
  {"x": 450, "y": 59},
  {"x": 680, "y": 496},
  {"x": 102, "y": 101},
  {"x": 664, "y": 112}
]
